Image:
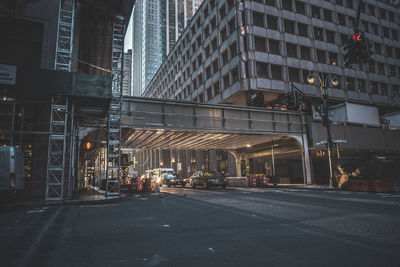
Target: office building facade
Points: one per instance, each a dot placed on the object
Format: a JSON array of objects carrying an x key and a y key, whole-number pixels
[
  {"x": 233, "y": 48},
  {"x": 157, "y": 24},
  {"x": 127, "y": 69}
]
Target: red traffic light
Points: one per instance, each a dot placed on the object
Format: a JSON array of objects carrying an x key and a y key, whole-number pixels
[
  {"x": 88, "y": 145},
  {"x": 357, "y": 37}
]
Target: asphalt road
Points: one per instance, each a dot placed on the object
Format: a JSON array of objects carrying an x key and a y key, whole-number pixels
[{"x": 215, "y": 227}]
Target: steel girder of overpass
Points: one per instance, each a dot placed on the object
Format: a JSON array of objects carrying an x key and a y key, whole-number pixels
[{"x": 167, "y": 124}]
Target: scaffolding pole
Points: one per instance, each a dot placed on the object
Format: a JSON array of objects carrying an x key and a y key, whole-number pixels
[{"x": 113, "y": 173}]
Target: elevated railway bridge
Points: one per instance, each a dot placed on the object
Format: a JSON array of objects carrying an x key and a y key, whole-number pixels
[{"x": 152, "y": 126}]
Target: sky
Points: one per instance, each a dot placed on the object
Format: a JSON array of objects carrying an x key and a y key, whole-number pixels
[{"x": 128, "y": 35}]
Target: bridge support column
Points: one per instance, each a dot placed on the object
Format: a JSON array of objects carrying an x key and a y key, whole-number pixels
[
  {"x": 305, "y": 157},
  {"x": 238, "y": 162}
]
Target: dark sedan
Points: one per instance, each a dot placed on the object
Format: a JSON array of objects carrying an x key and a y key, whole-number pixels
[
  {"x": 207, "y": 179},
  {"x": 172, "y": 179}
]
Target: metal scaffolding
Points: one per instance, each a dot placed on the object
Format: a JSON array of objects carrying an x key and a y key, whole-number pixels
[
  {"x": 57, "y": 161},
  {"x": 57, "y": 149},
  {"x": 65, "y": 32},
  {"x": 113, "y": 173}
]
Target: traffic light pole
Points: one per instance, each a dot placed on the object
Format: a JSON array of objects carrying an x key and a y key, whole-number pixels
[{"x": 326, "y": 122}]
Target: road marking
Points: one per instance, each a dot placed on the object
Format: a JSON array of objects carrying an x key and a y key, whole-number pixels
[
  {"x": 34, "y": 211},
  {"x": 166, "y": 225},
  {"x": 211, "y": 249},
  {"x": 390, "y": 196},
  {"x": 35, "y": 244}
]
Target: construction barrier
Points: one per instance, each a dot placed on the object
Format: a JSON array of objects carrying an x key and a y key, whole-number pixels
[
  {"x": 253, "y": 181},
  {"x": 265, "y": 181}
]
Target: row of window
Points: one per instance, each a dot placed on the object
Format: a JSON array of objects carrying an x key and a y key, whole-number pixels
[
  {"x": 293, "y": 50},
  {"x": 319, "y": 13},
  {"x": 289, "y": 26}
]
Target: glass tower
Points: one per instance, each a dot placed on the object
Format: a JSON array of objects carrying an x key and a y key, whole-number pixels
[{"x": 157, "y": 24}]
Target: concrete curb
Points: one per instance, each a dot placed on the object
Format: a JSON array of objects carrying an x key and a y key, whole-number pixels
[{"x": 63, "y": 203}]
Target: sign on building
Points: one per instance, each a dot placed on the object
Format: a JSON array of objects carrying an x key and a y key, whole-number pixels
[{"x": 8, "y": 74}]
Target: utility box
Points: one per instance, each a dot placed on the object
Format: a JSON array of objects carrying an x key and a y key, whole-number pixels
[
  {"x": 11, "y": 169},
  {"x": 354, "y": 113}
]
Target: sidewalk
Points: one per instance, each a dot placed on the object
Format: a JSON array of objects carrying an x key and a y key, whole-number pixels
[{"x": 89, "y": 197}]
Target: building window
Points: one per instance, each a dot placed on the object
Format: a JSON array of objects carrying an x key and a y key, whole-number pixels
[
  {"x": 395, "y": 35},
  {"x": 321, "y": 56},
  {"x": 287, "y": 4},
  {"x": 342, "y": 19},
  {"x": 289, "y": 26},
  {"x": 300, "y": 7},
  {"x": 224, "y": 57},
  {"x": 384, "y": 89},
  {"x": 291, "y": 50},
  {"x": 327, "y": 15},
  {"x": 215, "y": 66},
  {"x": 330, "y": 36},
  {"x": 222, "y": 12},
  {"x": 361, "y": 85},
  {"x": 208, "y": 72},
  {"x": 381, "y": 68},
  {"x": 294, "y": 75},
  {"x": 209, "y": 93},
  {"x": 214, "y": 44},
  {"x": 276, "y": 72},
  {"x": 270, "y": 2},
  {"x": 315, "y": 11},
  {"x": 350, "y": 84},
  {"x": 396, "y": 90},
  {"x": 374, "y": 87},
  {"x": 262, "y": 70},
  {"x": 305, "y": 52},
  {"x": 225, "y": 79},
  {"x": 272, "y": 22},
  {"x": 302, "y": 29},
  {"x": 333, "y": 58},
  {"x": 232, "y": 25},
  {"x": 258, "y": 19},
  {"x": 201, "y": 98},
  {"x": 233, "y": 49},
  {"x": 318, "y": 33},
  {"x": 392, "y": 70},
  {"x": 259, "y": 44},
  {"x": 231, "y": 4},
  {"x": 223, "y": 35},
  {"x": 274, "y": 46},
  {"x": 235, "y": 74},
  {"x": 382, "y": 13},
  {"x": 216, "y": 88}
]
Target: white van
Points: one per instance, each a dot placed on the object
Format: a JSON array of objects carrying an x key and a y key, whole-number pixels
[
  {"x": 158, "y": 173},
  {"x": 11, "y": 169}
]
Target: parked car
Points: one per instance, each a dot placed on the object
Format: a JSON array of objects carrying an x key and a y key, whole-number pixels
[
  {"x": 207, "y": 179},
  {"x": 172, "y": 179}
]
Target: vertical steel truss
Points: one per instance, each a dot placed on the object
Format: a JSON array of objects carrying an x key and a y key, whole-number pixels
[
  {"x": 57, "y": 149},
  {"x": 65, "y": 32},
  {"x": 113, "y": 172}
]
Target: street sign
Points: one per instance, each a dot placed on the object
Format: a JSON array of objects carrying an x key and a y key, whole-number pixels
[
  {"x": 8, "y": 74},
  {"x": 334, "y": 140}
]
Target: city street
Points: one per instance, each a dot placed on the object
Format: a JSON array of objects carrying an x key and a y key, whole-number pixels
[{"x": 214, "y": 227}]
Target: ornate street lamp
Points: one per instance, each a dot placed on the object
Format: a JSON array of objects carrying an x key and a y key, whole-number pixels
[{"x": 326, "y": 122}]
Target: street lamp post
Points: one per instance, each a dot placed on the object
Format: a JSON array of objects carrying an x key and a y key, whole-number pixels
[{"x": 326, "y": 122}]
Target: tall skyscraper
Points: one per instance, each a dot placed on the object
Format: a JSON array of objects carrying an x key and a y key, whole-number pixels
[
  {"x": 127, "y": 69},
  {"x": 157, "y": 24}
]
